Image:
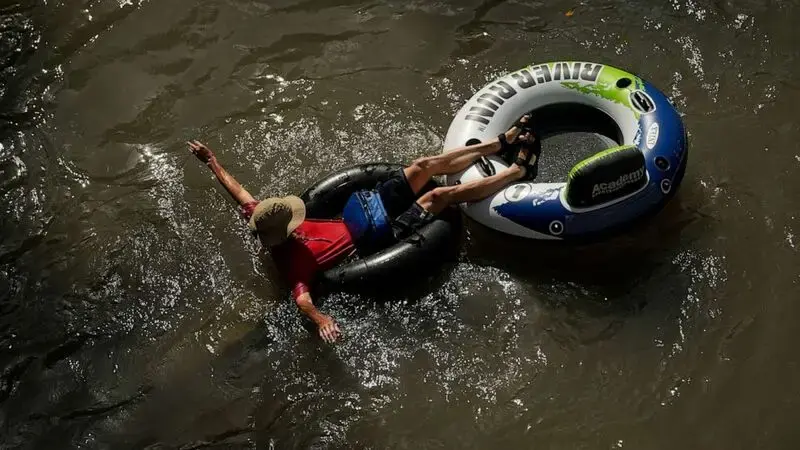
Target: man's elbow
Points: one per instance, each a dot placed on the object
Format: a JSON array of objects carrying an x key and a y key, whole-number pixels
[{"x": 303, "y": 301}]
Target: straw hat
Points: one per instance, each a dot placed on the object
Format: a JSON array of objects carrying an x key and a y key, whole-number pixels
[{"x": 275, "y": 218}]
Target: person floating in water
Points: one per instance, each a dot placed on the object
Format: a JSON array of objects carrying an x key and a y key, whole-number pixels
[{"x": 302, "y": 247}]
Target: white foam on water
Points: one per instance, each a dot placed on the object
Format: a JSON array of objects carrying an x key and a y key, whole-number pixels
[{"x": 707, "y": 275}]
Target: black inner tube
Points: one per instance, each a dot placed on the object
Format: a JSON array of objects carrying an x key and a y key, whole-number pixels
[{"x": 415, "y": 256}]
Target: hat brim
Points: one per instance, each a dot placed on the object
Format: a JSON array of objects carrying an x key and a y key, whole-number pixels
[
  {"x": 276, "y": 236},
  {"x": 298, "y": 212}
]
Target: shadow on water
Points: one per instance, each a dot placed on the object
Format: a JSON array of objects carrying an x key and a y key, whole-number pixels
[{"x": 611, "y": 266}]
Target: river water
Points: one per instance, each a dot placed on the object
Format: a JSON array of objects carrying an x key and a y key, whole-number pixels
[{"x": 136, "y": 311}]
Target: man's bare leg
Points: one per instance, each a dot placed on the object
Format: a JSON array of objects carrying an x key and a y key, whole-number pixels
[
  {"x": 436, "y": 200},
  {"x": 419, "y": 173}
]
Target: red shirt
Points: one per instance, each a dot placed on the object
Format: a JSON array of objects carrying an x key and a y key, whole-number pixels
[{"x": 315, "y": 245}]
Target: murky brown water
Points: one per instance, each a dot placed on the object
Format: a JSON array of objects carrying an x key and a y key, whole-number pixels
[{"x": 135, "y": 312}]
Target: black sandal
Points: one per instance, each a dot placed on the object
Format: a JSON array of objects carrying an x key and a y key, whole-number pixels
[
  {"x": 507, "y": 149},
  {"x": 531, "y": 170},
  {"x": 520, "y": 124}
]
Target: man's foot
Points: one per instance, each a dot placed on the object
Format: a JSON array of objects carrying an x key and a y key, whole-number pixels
[
  {"x": 508, "y": 140},
  {"x": 519, "y": 126},
  {"x": 528, "y": 156}
]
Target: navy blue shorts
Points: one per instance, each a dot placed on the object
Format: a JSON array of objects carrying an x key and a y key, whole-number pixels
[
  {"x": 401, "y": 204},
  {"x": 396, "y": 193}
]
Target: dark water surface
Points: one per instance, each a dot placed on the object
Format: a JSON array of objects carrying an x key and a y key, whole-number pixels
[{"x": 135, "y": 311}]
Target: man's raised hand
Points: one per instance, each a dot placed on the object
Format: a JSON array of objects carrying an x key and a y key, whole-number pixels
[{"x": 202, "y": 152}]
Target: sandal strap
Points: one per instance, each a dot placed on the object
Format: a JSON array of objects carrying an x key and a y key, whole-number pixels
[
  {"x": 522, "y": 125},
  {"x": 504, "y": 145},
  {"x": 526, "y": 128},
  {"x": 533, "y": 150},
  {"x": 531, "y": 172}
]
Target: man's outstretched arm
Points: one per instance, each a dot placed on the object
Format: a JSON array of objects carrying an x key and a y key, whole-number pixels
[
  {"x": 233, "y": 187},
  {"x": 328, "y": 329}
]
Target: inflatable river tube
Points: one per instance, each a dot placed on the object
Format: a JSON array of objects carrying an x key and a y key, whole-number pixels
[
  {"x": 415, "y": 255},
  {"x": 602, "y": 194}
]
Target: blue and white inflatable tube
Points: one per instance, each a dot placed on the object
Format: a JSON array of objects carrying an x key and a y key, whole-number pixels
[{"x": 649, "y": 167}]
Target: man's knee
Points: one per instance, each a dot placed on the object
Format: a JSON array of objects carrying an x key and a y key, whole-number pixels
[
  {"x": 437, "y": 199},
  {"x": 423, "y": 164},
  {"x": 419, "y": 172}
]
